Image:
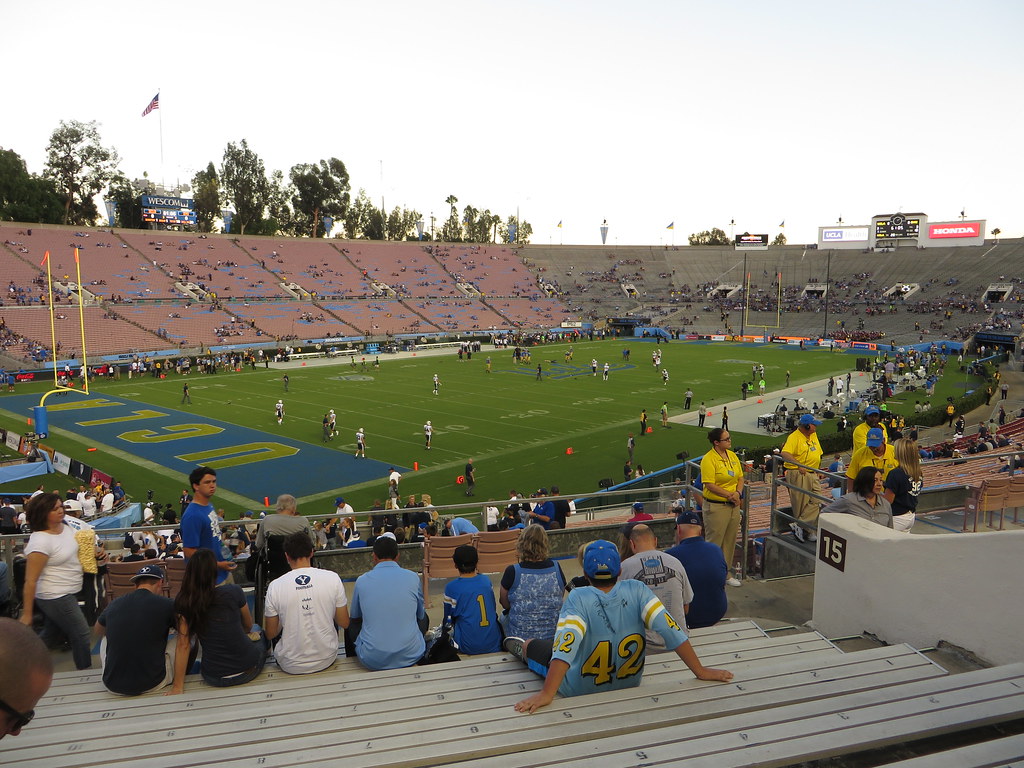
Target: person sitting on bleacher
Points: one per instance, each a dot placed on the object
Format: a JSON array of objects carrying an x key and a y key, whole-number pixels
[
  {"x": 469, "y": 605},
  {"x": 663, "y": 573},
  {"x": 531, "y": 589},
  {"x": 305, "y": 607},
  {"x": 609, "y": 614},
  {"x": 388, "y": 615},
  {"x": 137, "y": 652},
  {"x": 706, "y": 570},
  {"x": 218, "y": 618}
]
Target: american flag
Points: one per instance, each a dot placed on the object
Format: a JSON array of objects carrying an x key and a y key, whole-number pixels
[{"x": 154, "y": 104}]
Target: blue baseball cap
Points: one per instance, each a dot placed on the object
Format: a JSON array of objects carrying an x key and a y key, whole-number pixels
[
  {"x": 638, "y": 506},
  {"x": 872, "y": 410},
  {"x": 875, "y": 438},
  {"x": 148, "y": 572},
  {"x": 688, "y": 517},
  {"x": 808, "y": 418},
  {"x": 601, "y": 561}
]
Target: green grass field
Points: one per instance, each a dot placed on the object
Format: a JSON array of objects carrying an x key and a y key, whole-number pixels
[{"x": 515, "y": 428}]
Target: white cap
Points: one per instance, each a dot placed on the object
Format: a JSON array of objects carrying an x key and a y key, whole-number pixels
[{"x": 428, "y": 423}]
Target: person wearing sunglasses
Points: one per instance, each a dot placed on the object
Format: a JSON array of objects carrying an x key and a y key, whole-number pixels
[
  {"x": 722, "y": 473},
  {"x": 26, "y": 670}
]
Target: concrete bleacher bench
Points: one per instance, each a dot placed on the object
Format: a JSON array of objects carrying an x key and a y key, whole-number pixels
[{"x": 794, "y": 697}]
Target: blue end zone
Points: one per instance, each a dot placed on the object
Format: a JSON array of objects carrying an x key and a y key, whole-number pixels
[{"x": 249, "y": 462}]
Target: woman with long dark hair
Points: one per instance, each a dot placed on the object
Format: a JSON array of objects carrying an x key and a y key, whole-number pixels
[
  {"x": 866, "y": 499},
  {"x": 219, "y": 619}
]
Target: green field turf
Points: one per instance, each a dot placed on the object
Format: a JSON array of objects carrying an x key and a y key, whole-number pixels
[{"x": 515, "y": 428}]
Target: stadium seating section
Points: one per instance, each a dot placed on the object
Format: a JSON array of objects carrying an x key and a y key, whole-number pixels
[{"x": 157, "y": 290}]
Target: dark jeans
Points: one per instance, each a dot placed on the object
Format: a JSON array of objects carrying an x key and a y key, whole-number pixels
[
  {"x": 538, "y": 656},
  {"x": 64, "y": 619},
  {"x": 244, "y": 677}
]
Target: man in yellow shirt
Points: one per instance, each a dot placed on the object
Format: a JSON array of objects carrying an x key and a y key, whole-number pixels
[
  {"x": 872, "y": 420},
  {"x": 877, "y": 453},
  {"x": 802, "y": 447}
]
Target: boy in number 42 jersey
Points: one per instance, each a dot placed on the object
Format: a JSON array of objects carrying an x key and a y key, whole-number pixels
[{"x": 600, "y": 640}]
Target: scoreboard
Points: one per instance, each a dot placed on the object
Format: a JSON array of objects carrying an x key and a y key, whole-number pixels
[
  {"x": 174, "y": 211},
  {"x": 897, "y": 226}
]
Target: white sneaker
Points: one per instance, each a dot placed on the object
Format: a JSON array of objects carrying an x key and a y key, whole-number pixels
[
  {"x": 812, "y": 536},
  {"x": 732, "y": 581}
]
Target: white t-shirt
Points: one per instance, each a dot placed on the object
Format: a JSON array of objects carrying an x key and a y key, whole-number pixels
[
  {"x": 108, "y": 502},
  {"x": 89, "y": 507},
  {"x": 305, "y": 600},
  {"x": 62, "y": 574}
]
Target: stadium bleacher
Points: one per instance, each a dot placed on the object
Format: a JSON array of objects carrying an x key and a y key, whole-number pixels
[{"x": 303, "y": 288}]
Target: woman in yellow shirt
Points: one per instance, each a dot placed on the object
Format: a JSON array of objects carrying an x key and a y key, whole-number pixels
[{"x": 722, "y": 475}]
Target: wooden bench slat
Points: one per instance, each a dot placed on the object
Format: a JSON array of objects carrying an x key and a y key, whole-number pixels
[
  {"x": 413, "y": 685},
  {"x": 89, "y": 687},
  {"x": 824, "y": 728},
  {"x": 1007, "y": 752},
  {"x": 286, "y": 729}
]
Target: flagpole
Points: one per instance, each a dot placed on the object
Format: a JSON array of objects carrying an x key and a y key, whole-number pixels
[{"x": 160, "y": 115}]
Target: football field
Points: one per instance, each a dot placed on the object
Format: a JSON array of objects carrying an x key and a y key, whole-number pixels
[{"x": 517, "y": 427}]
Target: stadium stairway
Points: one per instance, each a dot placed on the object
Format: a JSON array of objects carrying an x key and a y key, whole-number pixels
[{"x": 794, "y": 698}]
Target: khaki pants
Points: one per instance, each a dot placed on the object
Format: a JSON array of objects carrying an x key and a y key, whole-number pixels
[
  {"x": 721, "y": 526},
  {"x": 805, "y": 508}
]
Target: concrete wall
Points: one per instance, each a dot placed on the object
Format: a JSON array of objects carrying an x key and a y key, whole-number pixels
[{"x": 967, "y": 589}]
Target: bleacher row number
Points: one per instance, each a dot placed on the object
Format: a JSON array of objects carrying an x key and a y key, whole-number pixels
[{"x": 832, "y": 549}]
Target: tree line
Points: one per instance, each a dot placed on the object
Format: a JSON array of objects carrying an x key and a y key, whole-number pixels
[{"x": 79, "y": 167}]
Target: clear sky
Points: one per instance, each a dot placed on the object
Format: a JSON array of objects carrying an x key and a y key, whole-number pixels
[{"x": 642, "y": 113}]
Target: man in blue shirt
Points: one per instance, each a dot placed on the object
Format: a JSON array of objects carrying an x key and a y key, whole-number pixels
[
  {"x": 706, "y": 570},
  {"x": 388, "y": 617},
  {"x": 544, "y": 511},
  {"x": 599, "y": 643},
  {"x": 200, "y": 526},
  {"x": 459, "y": 525},
  {"x": 469, "y": 604}
]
